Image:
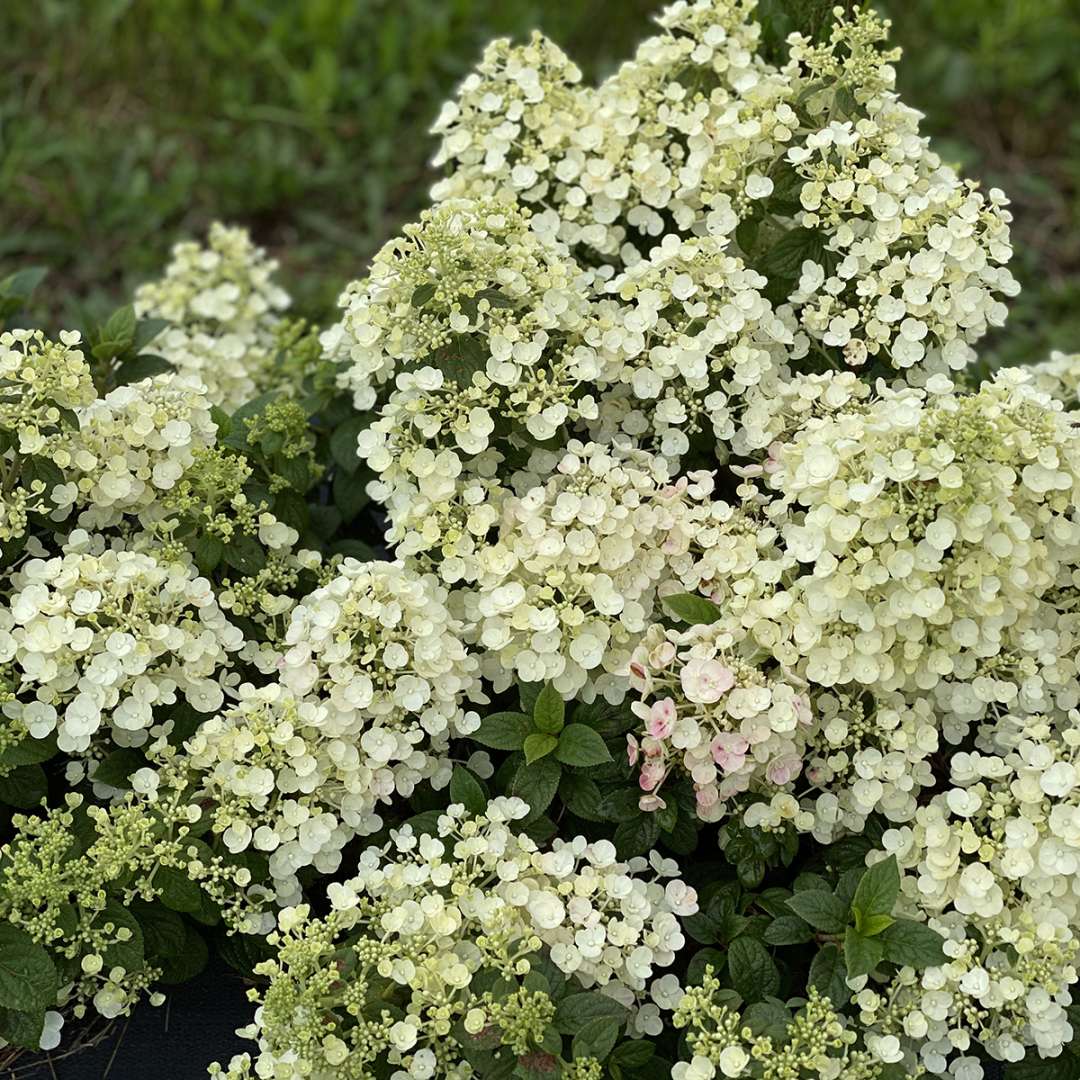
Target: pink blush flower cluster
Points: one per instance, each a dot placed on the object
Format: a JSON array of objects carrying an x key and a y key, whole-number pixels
[{"x": 708, "y": 711}]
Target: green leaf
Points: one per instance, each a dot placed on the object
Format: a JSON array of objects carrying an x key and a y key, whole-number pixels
[
  {"x": 189, "y": 962},
  {"x": 22, "y": 1028},
  {"x": 788, "y": 930},
  {"x": 24, "y": 788},
  {"x": 582, "y": 796},
  {"x": 767, "y": 1018},
  {"x": 828, "y": 974},
  {"x": 245, "y": 553},
  {"x": 23, "y": 282},
  {"x": 636, "y": 836},
  {"x": 576, "y": 1010},
  {"x": 878, "y": 889},
  {"x": 208, "y": 552},
  {"x": 701, "y": 960},
  {"x": 861, "y": 954},
  {"x": 178, "y": 891},
  {"x": 785, "y": 257},
  {"x": 126, "y": 954},
  {"x": 820, "y": 909},
  {"x": 117, "y": 767},
  {"x": 503, "y": 731},
  {"x": 691, "y": 608},
  {"x": 580, "y": 745},
  {"x": 422, "y": 294},
  {"x": 1064, "y": 1067},
  {"x": 621, "y": 804},
  {"x": 145, "y": 332},
  {"x": 29, "y": 751},
  {"x": 243, "y": 951},
  {"x": 43, "y": 469},
  {"x": 595, "y": 1039},
  {"x": 28, "y": 979},
  {"x": 537, "y": 784},
  {"x": 466, "y": 789},
  {"x": 549, "y": 712},
  {"x": 633, "y": 1053},
  {"x": 350, "y": 494},
  {"x": 140, "y": 367},
  {"x": 528, "y": 692},
  {"x": 117, "y": 335},
  {"x": 537, "y": 745},
  {"x": 872, "y": 925},
  {"x": 913, "y": 943},
  {"x": 163, "y": 930},
  {"x": 753, "y": 972}
]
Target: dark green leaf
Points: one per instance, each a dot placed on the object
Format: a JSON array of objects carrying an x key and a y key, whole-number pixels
[
  {"x": 596, "y": 1039},
  {"x": 828, "y": 975},
  {"x": 549, "y": 711},
  {"x": 141, "y": 367},
  {"x": 878, "y": 889},
  {"x": 245, "y": 553},
  {"x": 178, "y": 891},
  {"x": 752, "y": 970},
  {"x": 577, "y": 1010},
  {"x": 768, "y": 1018},
  {"x": 422, "y": 294},
  {"x": 784, "y": 258},
  {"x": 636, "y": 837},
  {"x": 466, "y": 789},
  {"x": 691, "y": 608},
  {"x": 350, "y": 494},
  {"x": 22, "y": 1028},
  {"x": 117, "y": 767},
  {"x": 145, "y": 332},
  {"x": 208, "y": 552},
  {"x": 820, "y": 909},
  {"x": 28, "y": 980},
  {"x": 28, "y": 751},
  {"x": 580, "y": 745},
  {"x": 701, "y": 960},
  {"x": 913, "y": 943},
  {"x": 503, "y": 731},
  {"x": 861, "y": 954},
  {"x": 788, "y": 930},
  {"x": 537, "y": 784},
  {"x": 581, "y": 796},
  {"x": 24, "y": 787}
]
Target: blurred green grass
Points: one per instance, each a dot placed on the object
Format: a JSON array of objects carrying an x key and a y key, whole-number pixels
[{"x": 125, "y": 124}]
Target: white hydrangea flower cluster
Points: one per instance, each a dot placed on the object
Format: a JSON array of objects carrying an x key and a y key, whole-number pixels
[
  {"x": 569, "y": 585},
  {"x": 223, "y": 308},
  {"x": 994, "y": 862},
  {"x": 135, "y": 443},
  {"x": 467, "y": 267},
  {"x": 1060, "y": 378},
  {"x": 429, "y": 919},
  {"x": 901, "y": 259},
  {"x": 278, "y": 783},
  {"x": 913, "y": 571},
  {"x": 683, "y": 257},
  {"x": 931, "y": 527},
  {"x": 44, "y": 384},
  {"x": 380, "y": 653},
  {"x": 97, "y": 637}
]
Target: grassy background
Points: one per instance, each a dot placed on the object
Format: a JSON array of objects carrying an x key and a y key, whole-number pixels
[{"x": 127, "y": 123}]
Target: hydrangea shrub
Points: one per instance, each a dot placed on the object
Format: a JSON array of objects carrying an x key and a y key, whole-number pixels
[{"x": 630, "y": 642}]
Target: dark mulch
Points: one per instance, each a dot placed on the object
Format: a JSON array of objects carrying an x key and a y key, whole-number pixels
[{"x": 196, "y": 1025}]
